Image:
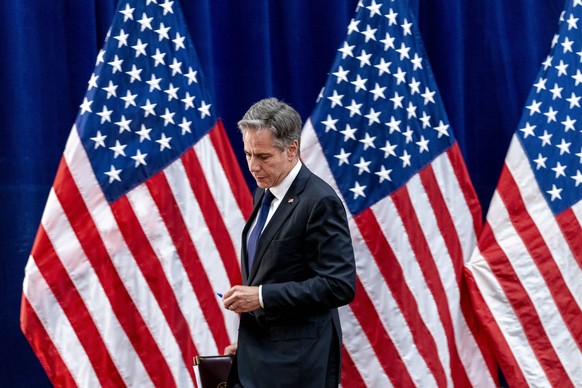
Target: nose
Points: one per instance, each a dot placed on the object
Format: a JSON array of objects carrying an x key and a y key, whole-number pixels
[{"x": 254, "y": 164}]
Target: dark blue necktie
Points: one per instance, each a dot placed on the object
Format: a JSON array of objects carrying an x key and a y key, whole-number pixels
[{"x": 257, "y": 230}]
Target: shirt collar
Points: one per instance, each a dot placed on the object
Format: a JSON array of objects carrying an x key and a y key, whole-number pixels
[{"x": 281, "y": 189}]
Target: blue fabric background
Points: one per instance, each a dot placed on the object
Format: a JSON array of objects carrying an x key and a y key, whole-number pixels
[{"x": 485, "y": 55}]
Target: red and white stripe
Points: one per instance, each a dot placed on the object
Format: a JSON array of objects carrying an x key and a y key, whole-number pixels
[
  {"x": 410, "y": 323},
  {"x": 526, "y": 277},
  {"x": 125, "y": 293}
]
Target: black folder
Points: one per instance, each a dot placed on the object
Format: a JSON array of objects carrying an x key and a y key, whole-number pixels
[{"x": 213, "y": 370}]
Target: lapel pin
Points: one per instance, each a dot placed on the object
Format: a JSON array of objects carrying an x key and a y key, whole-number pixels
[{"x": 290, "y": 200}]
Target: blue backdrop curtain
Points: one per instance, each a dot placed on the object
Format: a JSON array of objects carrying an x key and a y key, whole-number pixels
[{"x": 485, "y": 55}]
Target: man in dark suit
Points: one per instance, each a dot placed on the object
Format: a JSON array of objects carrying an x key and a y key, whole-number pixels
[{"x": 297, "y": 263}]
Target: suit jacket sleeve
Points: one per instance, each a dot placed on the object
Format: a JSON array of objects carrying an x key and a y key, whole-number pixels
[{"x": 326, "y": 253}]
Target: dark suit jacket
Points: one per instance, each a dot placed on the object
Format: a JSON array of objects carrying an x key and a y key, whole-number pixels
[{"x": 305, "y": 264}]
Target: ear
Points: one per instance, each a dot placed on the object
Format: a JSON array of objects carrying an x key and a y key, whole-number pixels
[{"x": 292, "y": 149}]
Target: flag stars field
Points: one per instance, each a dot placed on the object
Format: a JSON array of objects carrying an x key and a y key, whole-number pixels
[
  {"x": 551, "y": 117},
  {"x": 153, "y": 83}
]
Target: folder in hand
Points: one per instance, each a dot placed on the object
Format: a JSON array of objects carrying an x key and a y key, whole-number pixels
[{"x": 213, "y": 370}]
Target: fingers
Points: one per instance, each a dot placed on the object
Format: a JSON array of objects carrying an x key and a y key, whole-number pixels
[
  {"x": 229, "y": 292},
  {"x": 230, "y": 350},
  {"x": 230, "y": 296},
  {"x": 241, "y": 299}
]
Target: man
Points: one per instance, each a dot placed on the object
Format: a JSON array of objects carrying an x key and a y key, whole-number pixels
[{"x": 302, "y": 267}]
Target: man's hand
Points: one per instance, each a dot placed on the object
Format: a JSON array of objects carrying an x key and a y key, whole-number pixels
[
  {"x": 242, "y": 299},
  {"x": 230, "y": 350}
]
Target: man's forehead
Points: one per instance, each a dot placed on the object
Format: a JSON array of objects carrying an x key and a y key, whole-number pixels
[{"x": 261, "y": 137}]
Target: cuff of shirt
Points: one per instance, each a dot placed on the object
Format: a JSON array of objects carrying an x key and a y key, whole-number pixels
[{"x": 261, "y": 296}]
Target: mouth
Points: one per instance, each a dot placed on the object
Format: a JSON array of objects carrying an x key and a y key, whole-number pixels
[{"x": 260, "y": 181}]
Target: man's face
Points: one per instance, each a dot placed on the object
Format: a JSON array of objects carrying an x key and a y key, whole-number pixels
[{"x": 268, "y": 164}]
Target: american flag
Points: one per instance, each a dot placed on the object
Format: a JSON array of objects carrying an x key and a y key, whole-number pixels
[
  {"x": 142, "y": 225},
  {"x": 380, "y": 135},
  {"x": 526, "y": 273}
]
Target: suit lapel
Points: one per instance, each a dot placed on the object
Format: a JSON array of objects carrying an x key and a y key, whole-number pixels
[{"x": 285, "y": 209}]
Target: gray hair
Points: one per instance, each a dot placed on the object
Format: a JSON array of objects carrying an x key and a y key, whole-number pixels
[{"x": 276, "y": 116}]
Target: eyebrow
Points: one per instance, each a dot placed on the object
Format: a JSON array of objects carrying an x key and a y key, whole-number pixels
[{"x": 262, "y": 154}]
